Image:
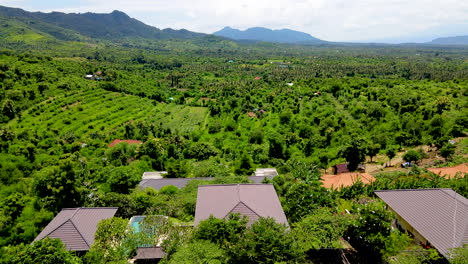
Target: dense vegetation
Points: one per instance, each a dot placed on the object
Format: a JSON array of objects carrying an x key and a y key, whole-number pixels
[{"x": 213, "y": 108}]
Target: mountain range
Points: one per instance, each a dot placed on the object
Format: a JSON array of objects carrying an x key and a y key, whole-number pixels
[
  {"x": 103, "y": 26},
  {"x": 118, "y": 25},
  {"x": 268, "y": 35}
]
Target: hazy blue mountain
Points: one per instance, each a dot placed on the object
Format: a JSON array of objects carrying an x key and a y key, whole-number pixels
[
  {"x": 458, "y": 40},
  {"x": 265, "y": 34},
  {"x": 109, "y": 26}
]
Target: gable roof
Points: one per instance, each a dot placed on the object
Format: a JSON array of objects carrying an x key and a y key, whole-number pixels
[
  {"x": 251, "y": 200},
  {"x": 439, "y": 215},
  {"x": 157, "y": 184},
  {"x": 149, "y": 253},
  {"x": 345, "y": 179},
  {"x": 450, "y": 172},
  {"x": 76, "y": 226},
  {"x": 128, "y": 141}
]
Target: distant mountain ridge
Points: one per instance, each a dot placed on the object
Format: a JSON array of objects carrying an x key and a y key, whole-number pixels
[
  {"x": 268, "y": 35},
  {"x": 458, "y": 40},
  {"x": 106, "y": 26}
]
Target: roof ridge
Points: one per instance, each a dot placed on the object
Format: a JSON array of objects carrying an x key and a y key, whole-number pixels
[{"x": 79, "y": 232}]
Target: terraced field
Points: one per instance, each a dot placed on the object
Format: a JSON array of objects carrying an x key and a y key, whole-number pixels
[{"x": 84, "y": 112}]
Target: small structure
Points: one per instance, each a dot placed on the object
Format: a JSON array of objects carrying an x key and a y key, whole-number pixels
[
  {"x": 257, "y": 78},
  {"x": 345, "y": 179},
  {"x": 128, "y": 141},
  {"x": 451, "y": 172},
  {"x": 250, "y": 200},
  {"x": 149, "y": 255},
  {"x": 343, "y": 168},
  {"x": 289, "y": 84},
  {"x": 436, "y": 217},
  {"x": 153, "y": 175},
  {"x": 251, "y": 114},
  {"x": 262, "y": 172},
  {"x": 76, "y": 226},
  {"x": 89, "y": 77},
  {"x": 157, "y": 184}
]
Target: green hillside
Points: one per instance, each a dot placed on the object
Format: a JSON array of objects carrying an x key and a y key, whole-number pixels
[{"x": 115, "y": 25}]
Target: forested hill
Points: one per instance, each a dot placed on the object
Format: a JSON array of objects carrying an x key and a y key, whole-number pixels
[
  {"x": 269, "y": 35},
  {"x": 458, "y": 40},
  {"x": 109, "y": 26}
]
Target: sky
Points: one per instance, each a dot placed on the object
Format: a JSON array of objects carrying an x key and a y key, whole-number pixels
[{"x": 332, "y": 20}]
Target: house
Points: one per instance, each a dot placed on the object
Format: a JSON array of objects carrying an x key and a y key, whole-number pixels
[
  {"x": 251, "y": 114},
  {"x": 436, "y": 218},
  {"x": 130, "y": 141},
  {"x": 76, "y": 226},
  {"x": 149, "y": 255},
  {"x": 451, "y": 172},
  {"x": 262, "y": 172},
  {"x": 250, "y": 200},
  {"x": 343, "y": 168},
  {"x": 345, "y": 179},
  {"x": 157, "y": 184}
]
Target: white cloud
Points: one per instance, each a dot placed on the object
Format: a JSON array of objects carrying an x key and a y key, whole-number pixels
[{"x": 336, "y": 20}]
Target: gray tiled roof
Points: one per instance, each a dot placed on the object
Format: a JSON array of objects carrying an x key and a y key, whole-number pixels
[
  {"x": 149, "y": 253},
  {"x": 76, "y": 226},
  {"x": 251, "y": 200},
  {"x": 439, "y": 215},
  {"x": 157, "y": 184}
]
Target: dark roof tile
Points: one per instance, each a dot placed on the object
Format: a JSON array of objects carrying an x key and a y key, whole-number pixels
[
  {"x": 439, "y": 215},
  {"x": 76, "y": 226}
]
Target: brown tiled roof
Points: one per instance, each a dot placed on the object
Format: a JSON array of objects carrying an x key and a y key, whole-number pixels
[
  {"x": 450, "y": 172},
  {"x": 76, "y": 226},
  {"x": 439, "y": 215},
  {"x": 182, "y": 182},
  {"x": 128, "y": 141},
  {"x": 150, "y": 253},
  {"x": 251, "y": 200},
  {"x": 345, "y": 179}
]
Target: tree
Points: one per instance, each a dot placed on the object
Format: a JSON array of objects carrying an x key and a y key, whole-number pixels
[
  {"x": 198, "y": 252},
  {"x": 354, "y": 152},
  {"x": 8, "y": 109},
  {"x": 43, "y": 251},
  {"x": 372, "y": 150},
  {"x": 321, "y": 229},
  {"x": 244, "y": 166},
  {"x": 266, "y": 241},
  {"x": 224, "y": 232},
  {"x": 276, "y": 149},
  {"x": 177, "y": 168},
  {"x": 58, "y": 185},
  {"x": 108, "y": 240},
  {"x": 122, "y": 179},
  {"x": 391, "y": 152},
  {"x": 412, "y": 155},
  {"x": 447, "y": 151},
  {"x": 372, "y": 233},
  {"x": 201, "y": 151}
]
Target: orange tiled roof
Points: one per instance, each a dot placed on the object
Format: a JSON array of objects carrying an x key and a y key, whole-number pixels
[
  {"x": 345, "y": 179},
  {"x": 450, "y": 172}
]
